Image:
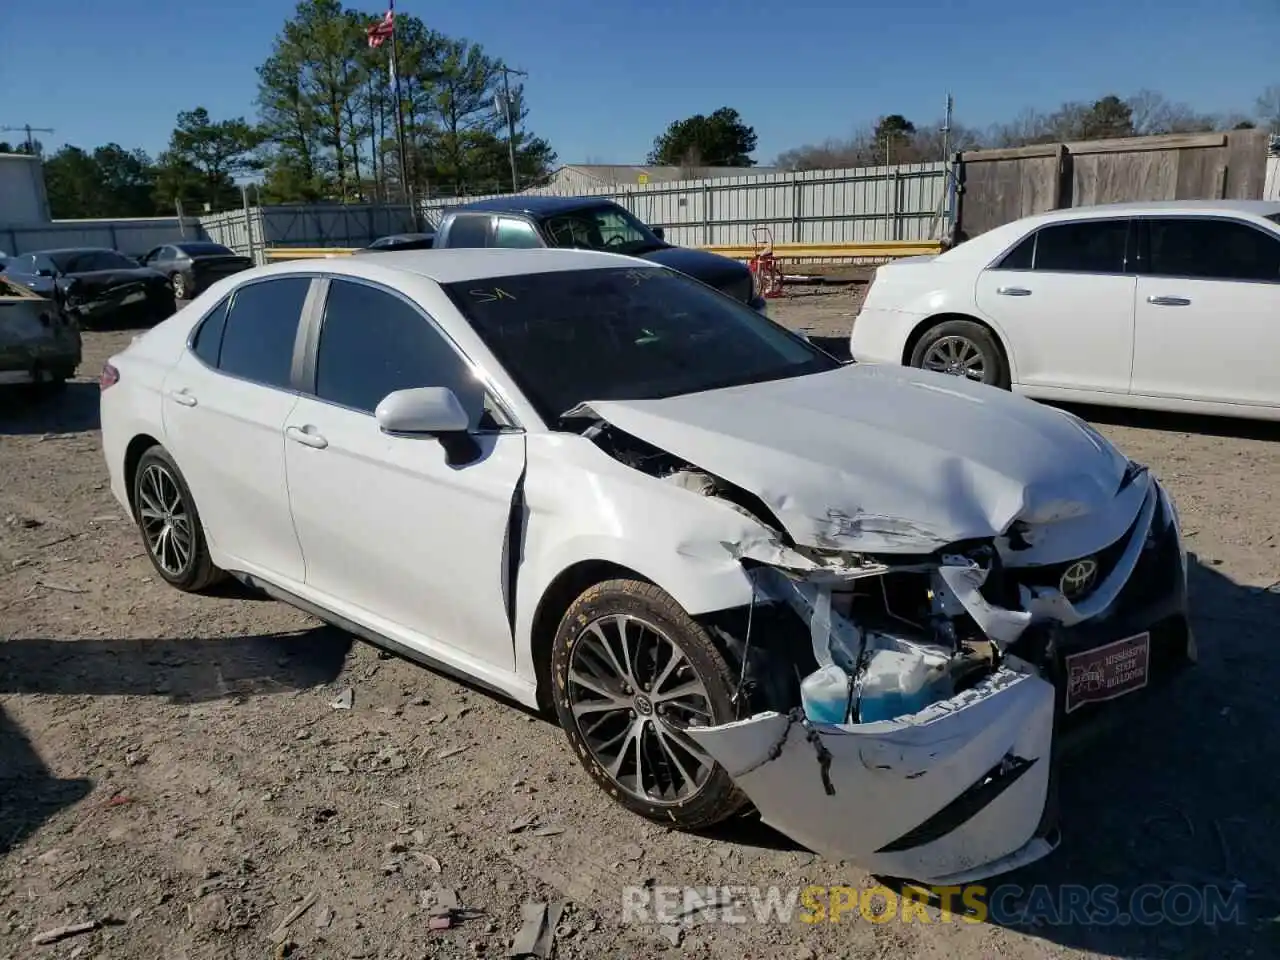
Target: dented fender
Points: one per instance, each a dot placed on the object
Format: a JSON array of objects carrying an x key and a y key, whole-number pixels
[{"x": 582, "y": 505}]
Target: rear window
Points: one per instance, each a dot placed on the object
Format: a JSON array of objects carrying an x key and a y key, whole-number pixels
[
  {"x": 205, "y": 249},
  {"x": 86, "y": 261}
]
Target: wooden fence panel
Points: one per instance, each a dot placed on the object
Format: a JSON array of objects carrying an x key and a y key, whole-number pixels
[{"x": 1000, "y": 186}]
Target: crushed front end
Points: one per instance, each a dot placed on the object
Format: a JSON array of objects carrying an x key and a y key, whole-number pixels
[{"x": 903, "y": 710}]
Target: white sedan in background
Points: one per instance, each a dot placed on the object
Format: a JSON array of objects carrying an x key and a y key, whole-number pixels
[
  {"x": 1168, "y": 306},
  {"x": 591, "y": 483}
]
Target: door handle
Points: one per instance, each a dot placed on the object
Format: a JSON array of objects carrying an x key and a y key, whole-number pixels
[
  {"x": 182, "y": 397},
  {"x": 1013, "y": 291},
  {"x": 302, "y": 436},
  {"x": 1169, "y": 301}
]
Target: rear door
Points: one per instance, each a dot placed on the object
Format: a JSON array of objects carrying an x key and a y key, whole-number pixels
[
  {"x": 515, "y": 232},
  {"x": 1064, "y": 300},
  {"x": 225, "y": 405},
  {"x": 1208, "y": 311},
  {"x": 468, "y": 230}
]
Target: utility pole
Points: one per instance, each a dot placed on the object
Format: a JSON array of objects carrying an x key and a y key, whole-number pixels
[
  {"x": 948, "y": 178},
  {"x": 511, "y": 122},
  {"x": 28, "y": 129}
]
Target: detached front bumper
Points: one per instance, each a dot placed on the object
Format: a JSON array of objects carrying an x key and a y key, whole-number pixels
[{"x": 964, "y": 789}]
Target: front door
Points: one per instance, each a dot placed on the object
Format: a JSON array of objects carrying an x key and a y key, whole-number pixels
[
  {"x": 404, "y": 532},
  {"x": 1064, "y": 301},
  {"x": 1208, "y": 312}
]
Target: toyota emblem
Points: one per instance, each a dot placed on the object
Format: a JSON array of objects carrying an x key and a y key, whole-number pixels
[{"x": 1078, "y": 579}]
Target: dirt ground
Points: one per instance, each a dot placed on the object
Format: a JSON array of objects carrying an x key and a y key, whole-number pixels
[{"x": 174, "y": 768}]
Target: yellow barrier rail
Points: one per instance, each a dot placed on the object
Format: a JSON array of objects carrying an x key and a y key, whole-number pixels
[
  {"x": 782, "y": 251},
  {"x": 307, "y": 253},
  {"x": 833, "y": 251}
]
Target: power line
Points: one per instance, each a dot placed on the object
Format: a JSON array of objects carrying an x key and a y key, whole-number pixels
[{"x": 28, "y": 129}]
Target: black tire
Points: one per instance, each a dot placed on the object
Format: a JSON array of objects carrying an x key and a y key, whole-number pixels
[
  {"x": 198, "y": 572},
  {"x": 716, "y": 798},
  {"x": 180, "y": 291},
  {"x": 995, "y": 371}
]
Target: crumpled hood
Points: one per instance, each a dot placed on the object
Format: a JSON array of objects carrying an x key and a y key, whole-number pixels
[{"x": 885, "y": 459}]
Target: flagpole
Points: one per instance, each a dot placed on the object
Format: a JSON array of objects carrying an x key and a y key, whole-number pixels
[{"x": 405, "y": 178}]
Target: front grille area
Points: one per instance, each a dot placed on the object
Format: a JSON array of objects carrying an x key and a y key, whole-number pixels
[{"x": 1050, "y": 574}]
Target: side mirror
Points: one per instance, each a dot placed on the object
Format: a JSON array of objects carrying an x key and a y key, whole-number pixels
[
  {"x": 660, "y": 233},
  {"x": 426, "y": 410}
]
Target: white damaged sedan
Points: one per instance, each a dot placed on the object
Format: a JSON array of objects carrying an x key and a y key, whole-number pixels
[{"x": 865, "y": 601}]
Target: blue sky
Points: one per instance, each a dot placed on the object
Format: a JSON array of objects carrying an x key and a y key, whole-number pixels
[{"x": 606, "y": 77}]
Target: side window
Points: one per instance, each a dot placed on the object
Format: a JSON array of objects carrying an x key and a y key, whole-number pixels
[
  {"x": 372, "y": 343},
  {"x": 515, "y": 233},
  {"x": 1085, "y": 246},
  {"x": 260, "y": 329},
  {"x": 469, "y": 231},
  {"x": 1019, "y": 258},
  {"x": 1212, "y": 250},
  {"x": 208, "y": 339},
  {"x": 44, "y": 263},
  {"x": 166, "y": 253}
]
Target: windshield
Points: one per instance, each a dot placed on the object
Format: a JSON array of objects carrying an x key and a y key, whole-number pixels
[
  {"x": 601, "y": 228},
  {"x": 205, "y": 249},
  {"x": 85, "y": 261},
  {"x": 625, "y": 333}
]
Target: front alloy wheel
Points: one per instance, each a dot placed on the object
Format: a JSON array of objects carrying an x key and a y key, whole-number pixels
[
  {"x": 631, "y": 673},
  {"x": 179, "y": 286}
]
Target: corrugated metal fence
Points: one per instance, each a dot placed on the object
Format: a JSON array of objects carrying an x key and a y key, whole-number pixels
[
  {"x": 316, "y": 225},
  {"x": 129, "y": 236},
  {"x": 1271, "y": 190},
  {"x": 859, "y": 205}
]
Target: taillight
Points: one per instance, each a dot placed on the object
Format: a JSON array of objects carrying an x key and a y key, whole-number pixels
[{"x": 109, "y": 378}]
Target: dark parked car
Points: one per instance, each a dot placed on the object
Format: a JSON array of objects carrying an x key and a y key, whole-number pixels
[
  {"x": 193, "y": 266},
  {"x": 94, "y": 285},
  {"x": 587, "y": 224},
  {"x": 38, "y": 344},
  {"x": 400, "y": 241}
]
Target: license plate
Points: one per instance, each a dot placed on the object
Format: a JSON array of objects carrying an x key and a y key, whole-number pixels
[
  {"x": 136, "y": 297},
  {"x": 1107, "y": 672}
]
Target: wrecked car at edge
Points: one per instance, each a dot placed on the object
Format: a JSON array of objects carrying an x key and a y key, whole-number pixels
[{"x": 865, "y": 600}]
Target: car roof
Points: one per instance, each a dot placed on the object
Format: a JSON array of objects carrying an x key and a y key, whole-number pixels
[
  {"x": 1261, "y": 208},
  {"x": 46, "y": 253},
  {"x": 994, "y": 241},
  {"x": 537, "y": 205},
  {"x": 454, "y": 266}
]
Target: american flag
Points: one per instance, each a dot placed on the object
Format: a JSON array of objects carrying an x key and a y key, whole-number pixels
[{"x": 384, "y": 28}]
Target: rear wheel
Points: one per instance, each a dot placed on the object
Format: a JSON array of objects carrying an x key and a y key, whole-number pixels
[
  {"x": 631, "y": 671},
  {"x": 962, "y": 348},
  {"x": 170, "y": 524}
]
